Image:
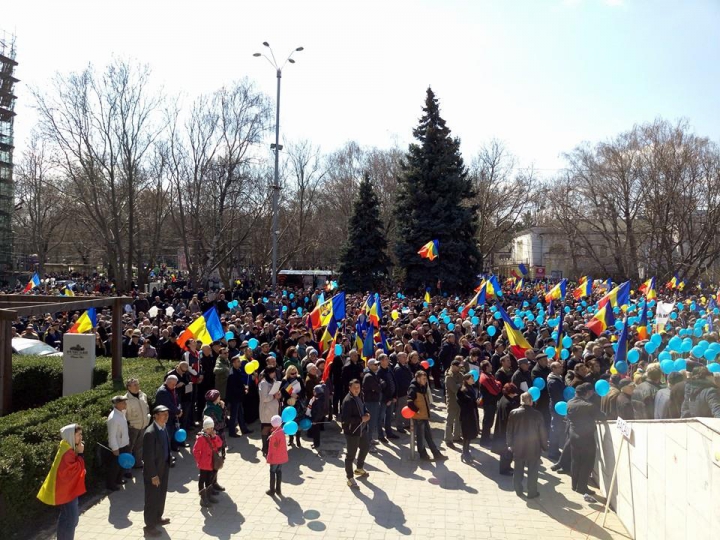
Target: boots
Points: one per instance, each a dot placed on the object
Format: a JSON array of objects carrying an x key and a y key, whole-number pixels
[
  {"x": 277, "y": 485},
  {"x": 204, "y": 502},
  {"x": 271, "y": 491}
]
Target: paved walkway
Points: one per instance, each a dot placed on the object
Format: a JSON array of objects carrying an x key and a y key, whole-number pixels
[{"x": 401, "y": 498}]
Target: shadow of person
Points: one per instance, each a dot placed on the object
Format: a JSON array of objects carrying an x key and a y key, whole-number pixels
[
  {"x": 222, "y": 519},
  {"x": 291, "y": 509},
  {"x": 183, "y": 473},
  {"x": 123, "y": 502},
  {"x": 242, "y": 445},
  {"x": 448, "y": 479},
  {"x": 386, "y": 513}
]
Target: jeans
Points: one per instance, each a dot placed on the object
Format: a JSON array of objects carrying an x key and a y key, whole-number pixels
[
  {"x": 533, "y": 468},
  {"x": 237, "y": 416},
  {"x": 423, "y": 435},
  {"x": 557, "y": 435},
  {"x": 355, "y": 443},
  {"x": 452, "y": 424},
  {"x": 374, "y": 409},
  {"x": 68, "y": 520}
]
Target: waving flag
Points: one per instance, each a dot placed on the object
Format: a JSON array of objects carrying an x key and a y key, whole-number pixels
[
  {"x": 371, "y": 308},
  {"x": 618, "y": 297},
  {"x": 519, "y": 286},
  {"x": 622, "y": 344},
  {"x": 334, "y": 308},
  {"x": 430, "y": 250},
  {"x": 648, "y": 289},
  {"x": 330, "y": 359},
  {"x": 66, "y": 479},
  {"x": 673, "y": 283},
  {"x": 328, "y": 336},
  {"x": 34, "y": 282},
  {"x": 492, "y": 288},
  {"x": 518, "y": 343},
  {"x": 560, "y": 332},
  {"x": 206, "y": 328},
  {"x": 584, "y": 289},
  {"x": 85, "y": 323},
  {"x": 602, "y": 320},
  {"x": 642, "y": 329},
  {"x": 557, "y": 292},
  {"x": 477, "y": 300}
]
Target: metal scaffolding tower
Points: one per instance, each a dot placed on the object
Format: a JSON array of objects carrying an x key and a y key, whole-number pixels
[{"x": 7, "y": 116}]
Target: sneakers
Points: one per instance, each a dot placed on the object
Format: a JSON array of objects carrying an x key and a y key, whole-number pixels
[
  {"x": 361, "y": 473},
  {"x": 352, "y": 483},
  {"x": 589, "y": 498}
]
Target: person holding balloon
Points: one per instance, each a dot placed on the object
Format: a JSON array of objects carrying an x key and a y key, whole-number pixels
[
  {"x": 293, "y": 395},
  {"x": 118, "y": 441},
  {"x": 167, "y": 397}
]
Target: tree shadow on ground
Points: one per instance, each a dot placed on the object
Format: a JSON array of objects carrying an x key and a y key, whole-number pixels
[{"x": 386, "y": 513}]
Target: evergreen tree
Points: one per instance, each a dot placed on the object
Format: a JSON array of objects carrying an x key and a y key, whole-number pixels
[
  {"x": 363, "y": 261},
  {"x": 434, "y": 201}
]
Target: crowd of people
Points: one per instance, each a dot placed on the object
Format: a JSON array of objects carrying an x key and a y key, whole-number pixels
[{"x": 518, "y": 402}]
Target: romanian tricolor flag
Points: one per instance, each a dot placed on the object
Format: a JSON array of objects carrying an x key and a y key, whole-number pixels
[
  {"x": 34, "y": 282},
  {"x": 372, "y": 306},
  {"x": 673, "y": 283},
  {"x": 334, "y": 308},
  {"x": 558, "y": 342},
  {"x": 492, "y": 288},
  {"x": 430, "y": 250},
  {"x": 642, "y": 328},
  {"x": 557, "y": 292},
  {"x": 328, "y": 336},
  {"x": 648, "y": 289},
  {"x": 330, "y": 358},
  {"x": 602, "y": 320},
  {"x": 618, "y": 297},
  {"x": 622, "y": 344},
  {"x": 584, "y": 289},
  {"x": 86, "y": 323},
  {"x": 522, "y": 271},
  {"x": 477, "y": 300},
  {"x": 519, "y": 286},
  {"x": 518, "y": 343},
  {"x": 206, "y": 328},
  {"x": 66, "y": 479}
]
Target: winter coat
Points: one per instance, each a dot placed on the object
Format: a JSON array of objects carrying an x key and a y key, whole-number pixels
[
  {"x": 624, "y": 407},
  {"x": 581, "y": 417},
  {"x": 490, "y": 390},
  {"x": 138, "y": 410},
  {"x": 372, "y": 387},
  {"x": 317, "y": 408},
  {"x": 217, "y": 413},
  {"x": 453, "y": 382},
  {"x": 203, "y": 450},
  {"x": 222, "y": 371},
  {"x": 539, "y": 372},
  {"x": 351, "y": 371},
  {"x": 403, "y": 378},
  {"x": 520, "y": 377},
  {"x": 235, "y": 386},
  {"x": 351, "y": 412},
  {"x": 467, "y": 398},
  {"x": 556, "y": 389},
  {"x": 608, "y": 403},
  {"x": 643, "y": 400},
  {"x": 702, "y": 399},
  {"x": 526, "y": 433},
  {"x": 504, "y": 408},
  {"x": 390, "y": 388},
  {"x": 183, "y": 390},
  {"x": 503, "y": 377},
  {"x": 167, "y": 397},
  {"x": 269, "y": 405},
  {"x": 448, "y": 352},
  {"x": 277, "y": 448},
  {"x": 418, "y": 401}
]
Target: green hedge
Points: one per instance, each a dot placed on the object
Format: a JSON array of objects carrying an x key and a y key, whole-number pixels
[
  {"x": 38, "y": 380},
  {"x": 29, "y": 440}
]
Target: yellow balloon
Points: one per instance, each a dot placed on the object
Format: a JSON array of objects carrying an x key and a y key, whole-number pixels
[
  {"x": 250, "y": 368},
  {"x": 394, "y": 314},
  {"x": 613, "y": 370}
]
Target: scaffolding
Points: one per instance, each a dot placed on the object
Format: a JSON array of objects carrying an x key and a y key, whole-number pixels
[{"x": 7, "y": 117}]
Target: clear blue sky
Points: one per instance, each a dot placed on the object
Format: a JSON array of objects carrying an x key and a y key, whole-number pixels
[{"x": 542, "y": 75}]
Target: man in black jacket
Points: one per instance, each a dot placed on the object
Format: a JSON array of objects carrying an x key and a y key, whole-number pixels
[
  {"x": 581, "y": 418},
  {"x": 448, "y": 351},
  {"x": 372, "y": 389},
  {"x": 403, "y": 378},
  {"x": 526, "y": 439},
  {"x": 522, "y": 377},
  {"x": 541, "y": 371},
  {"x": 389, "y": 398},
  {"x": 353, "y": 369},
  {"x": 556, "y": 394},
  {"x": 156, "y": 459},
  {"x": 643, "y": 398},
  {"x": 702, "y": 397},
  {"x": 355, "y": 417}
]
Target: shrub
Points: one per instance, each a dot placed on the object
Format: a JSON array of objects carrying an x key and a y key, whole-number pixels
[
  {"x": 38, "y": 380},
  {"x": 29, "y": 440}
]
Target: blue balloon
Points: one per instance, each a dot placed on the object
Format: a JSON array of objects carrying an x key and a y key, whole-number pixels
[
  {"x": 471, "y": 312},
  {"x": 633, "y": 356},
  {"x": 583, "y": 303},
  {"x": 656, "y": 339},
  {"x": 686, "y": 345},
  {"x": 667, "y": 366},
  {"x": 126, "y": 460},
  {"x": 564, "y": 354},
  {"x": 534, "y": 393},
  {"x": 567, "y": 309},
  {"x": 180, "y": 435},
  {"x": 693, "y": 306},
  {"x": 451, "y": 326},
  {"x": 616, "y": 310},
  {"x": 265, "y": 300},
  {"x": 539, "y": 383},
  {"x": 493, "y": 309},
  {"x": 675, "y": 344},
  {"x": 665, "y": 355},
  {"x": 680, "y": 306},
  {"x": 284, "y": 293},
  {"x": 288, "y": 414},
  {"x": 299, "y": 311},
  {"x": 550, "y": 351},
  {"x": 518, "y": 323},
  {"x": 475, "y": 321},
  {"x": 714, "y": 368},
  {"x": 253, "y": 343},
  {"x": 425, "y": 304},
  {"x": 431, "y": 362},
  {"x": 475, "y": 373},
  {"x": 567, "y": 342},
  {"x": 697, "y": 332},
  {"x": 306, "y": 299},
  {"x": 673, "y": 316},
  {"x": 619, "y": 325},
  {"x": 433, "y": 319},
  {"x": 561, "y": 408},
  {"x": 530, "y": 317},
  {"x": 716, "y": 311},
  {"x": 680, "y": 364},
  {"x": 284, "y": 308},
  {"x": 621, "y": 367},
  {"x": 497, "y": 315},
  {"x": 526, "y": 304},
  {"x": 540, "y": 319},
  {"x": 650, "y": 347},
  {"x": 569, "y": 393},
  {"x": 697, "y": 351},
  {"x": 292, "y": 296},
  {"x": 338, "y": 349},
  {"x": 710, "y": 354},
  {"x": 305, "y": 424},
  {"x": 554, "y": 336},
  {"x": 290, "y": 428},
  {"x": 229, "y": 336},
  {"x": 491, "y": 330},
  {"x": 446, "y": 319},
  {"x": 602, "y": 387}
]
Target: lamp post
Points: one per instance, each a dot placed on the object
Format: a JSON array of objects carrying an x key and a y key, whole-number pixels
[{"x": 277, "y": 147}]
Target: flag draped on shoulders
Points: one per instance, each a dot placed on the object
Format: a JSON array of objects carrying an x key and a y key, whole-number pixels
[
  {"x": 206, "y": 328},
  {"x": 85, "y": 323},
  {"x": 430, "y": 250},
  {"x": 518, "y": 343},
  {"x": 66, "y": 479}
]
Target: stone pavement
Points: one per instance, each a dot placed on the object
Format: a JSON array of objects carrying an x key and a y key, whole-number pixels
[{"x": 401, "y": 498}]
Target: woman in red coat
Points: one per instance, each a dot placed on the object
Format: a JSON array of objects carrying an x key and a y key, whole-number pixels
[{"x": 207, "y": 444}]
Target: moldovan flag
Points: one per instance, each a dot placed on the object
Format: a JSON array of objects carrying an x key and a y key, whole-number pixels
[
  {"x": 34, "y": 282},
  {"x": 602, "y": 320},
  {"x": 557, "y": 292},
  {"x": 66, "y": 479},
  {"x": 86, "y": 323},
  {"x": 518, "y": 343},
  {"x": 430, "y": 250},
  {"x": 648, "y": 289},
  {"x": 584, "y": 289},
  {"x": 206, "y": 328},
  {"x": 334, "y": 308}
]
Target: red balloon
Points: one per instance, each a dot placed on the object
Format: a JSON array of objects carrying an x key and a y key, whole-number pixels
[
  {"x": 407, "y": 412},
  {"x": 425, "y": 364}
]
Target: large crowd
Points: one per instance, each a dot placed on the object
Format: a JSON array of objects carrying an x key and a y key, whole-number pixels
[{"x": 274, "y": 369}]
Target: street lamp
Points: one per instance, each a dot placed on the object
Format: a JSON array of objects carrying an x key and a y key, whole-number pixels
[{"x": 277, "y": 147}]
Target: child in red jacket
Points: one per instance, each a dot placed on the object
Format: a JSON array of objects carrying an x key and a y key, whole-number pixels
[
  {"x": 206, "y": 444},
  {"x": 276, "y": 456}
]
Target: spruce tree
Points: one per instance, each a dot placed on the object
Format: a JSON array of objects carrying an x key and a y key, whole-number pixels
[
  {"x": 363, "y": 261},
  {"x": 434, "y": 201}
]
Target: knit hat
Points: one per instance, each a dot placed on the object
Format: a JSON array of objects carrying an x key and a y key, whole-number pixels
[
  {"x": 212, "y": 395},
  {"x": 208, "y": 423},
  {"x": 276, "y": 421},
  {"x": 310, "y": 351}
]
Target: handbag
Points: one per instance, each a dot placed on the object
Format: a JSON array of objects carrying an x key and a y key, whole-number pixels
[{"x": 217, "y": 460}]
